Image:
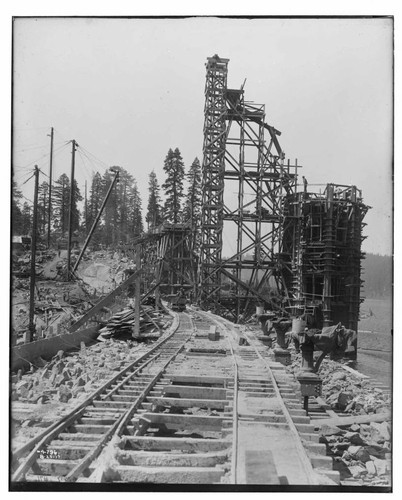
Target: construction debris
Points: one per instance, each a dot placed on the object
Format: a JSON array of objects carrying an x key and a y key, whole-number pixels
[
  {"x": 49, "y": 390},
  {"x": 360, "y": 444},
  {"x": 122, "y": 323}
]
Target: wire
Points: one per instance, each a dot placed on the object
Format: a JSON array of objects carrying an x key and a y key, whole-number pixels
[
  {"x": 17, "y": 179},
  {"x": 95, "y": 159},
  {"x": 28, "y": 179},
  {"x": 44, "y": 156},
  {"x": 26, "y": 129},
  {"x": 84, "y": 160},
  {"x": 30, "y": 201},
  {"x": 36, "y": 147}
]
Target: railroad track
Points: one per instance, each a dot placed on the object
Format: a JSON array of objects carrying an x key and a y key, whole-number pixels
[
  {"x": 197, "y": 408},
  {"x": 65, "y": 450},
  {"x": 274, "y": 442}
]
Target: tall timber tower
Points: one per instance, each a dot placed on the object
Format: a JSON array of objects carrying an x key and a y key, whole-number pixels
[
  {"x": 245, "y": 182},
  {"x": 213, "y": 169}
]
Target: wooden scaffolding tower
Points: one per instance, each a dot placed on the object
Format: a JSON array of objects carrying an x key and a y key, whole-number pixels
[
  {"x": 245, "y": 182},
  {"x": 322, "y": 245}
]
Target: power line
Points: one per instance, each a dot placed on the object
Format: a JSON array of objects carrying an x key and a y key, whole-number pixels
[
  {"x": 105, "y": 165},
  {"x": 83, "y": 162},
  {"x": 30, "y": 201},
  {"x": 34, "y": 147},
  {"x": 44, "y": 156}
]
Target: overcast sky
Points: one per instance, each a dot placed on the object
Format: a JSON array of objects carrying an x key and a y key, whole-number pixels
[{"x": 127, "y": 90}]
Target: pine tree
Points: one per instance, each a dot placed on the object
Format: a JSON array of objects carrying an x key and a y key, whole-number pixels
[
  {"x": 173, "y": 186},
  {"x": 124, "y": 203},
  {"x": 61, "y": 204},
  {"x": 26, "y": 219},
  {"x": 154, "y": 213},
  {"x": 76, "y": 212},
  {"x": 43, "y": 204},
  {"x": 95, "y": 198},
  {"x": 137, "y": 226},
  {"x": 111, "y": 212},
  {"x": 192, "y": 206},
  {"x": 16, "y": 213}
]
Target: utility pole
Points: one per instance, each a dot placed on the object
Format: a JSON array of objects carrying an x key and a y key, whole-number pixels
[
  {"x": 50, "y": 187},
  {"x": 137, "y": 293},
  {"x": 70, "y": 214},
  {"x": 31, "y": 326}
]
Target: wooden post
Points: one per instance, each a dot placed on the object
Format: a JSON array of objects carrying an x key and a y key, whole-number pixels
[
  {"x": 137, "y": 293},
  {"x": 33, "y": 254},
  {"x": 71, "y": 213},
  {"x": 50, "y": 188}
]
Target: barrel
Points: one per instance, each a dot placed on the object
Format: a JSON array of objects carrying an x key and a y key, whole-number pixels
[{"x": 259, "y": 310}]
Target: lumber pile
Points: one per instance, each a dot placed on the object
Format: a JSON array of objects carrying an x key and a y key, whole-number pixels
[{"x": 122, "y": 323}]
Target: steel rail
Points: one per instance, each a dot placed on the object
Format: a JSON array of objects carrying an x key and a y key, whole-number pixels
[
  {"x": 235, "y": 397},
  {"x": 118, "y": 427},
  {"x": 305, "y": 461},
  {"x": 39, "y": 441}
]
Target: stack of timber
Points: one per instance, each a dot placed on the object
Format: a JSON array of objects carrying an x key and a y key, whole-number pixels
[{"x": 122, "y": 323}]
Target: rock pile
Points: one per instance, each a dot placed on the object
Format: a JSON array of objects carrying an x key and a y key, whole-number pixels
[
  {"x": 65, "y": 381},
  {"x": 361, "y": 452},
  {"x": 350, "y": 393}
]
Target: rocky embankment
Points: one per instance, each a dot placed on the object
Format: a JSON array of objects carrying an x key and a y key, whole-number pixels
[
  {"x": 362, "y": 451},
  {"x": 51, "y": 389}
]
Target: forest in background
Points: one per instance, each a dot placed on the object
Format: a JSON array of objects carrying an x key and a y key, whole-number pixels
[
  {"x": 177, "y": 200},
  {"x": 377, "y": 276}
]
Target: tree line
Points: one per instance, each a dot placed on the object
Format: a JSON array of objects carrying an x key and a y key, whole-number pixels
[
  {"x": 177, "y": 200},
  {"x": 377, "y": 276}
]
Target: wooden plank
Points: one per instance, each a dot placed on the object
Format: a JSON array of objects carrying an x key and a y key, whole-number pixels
[
  {"x": 188, "y": 422},
  {"x": 98, "y": 420},
  {"x": 169, "y": 459},
  {"x": 199, "y": 380},
  {"x": 355, "y": 419},
  {"x": 171, "y": 475},
  {"x": 188, "y": 391},
  {"x": 206, "y": 354},
  {"x": 266, "y": 417},
  {"x": 68, "y": 452},
  {"x": 56, "y": 467},
  {"x": 37, "y": 478},
  {"x": 46, "y": 348},
  {"x": 260, "y": 467},
  {"x": 90, "y": 429},
  {"x": 79, "y": 436},
  {"x": 190, "y": 403},
  {"x": 111, "y": 404},
  {"x": 171, "y": 444}
]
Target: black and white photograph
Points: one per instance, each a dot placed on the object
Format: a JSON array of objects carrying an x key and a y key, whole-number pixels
[{"x": 201, "y": 253}]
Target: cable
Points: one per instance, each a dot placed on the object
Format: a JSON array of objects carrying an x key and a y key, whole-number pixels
[
  {"x": 44, "y": 156},
  {"x": 83, "y": 160},
  {"x": 35, "y": 147},
  {"x": 30, "y": 201},
  {"x": 102, "y": 163}
]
